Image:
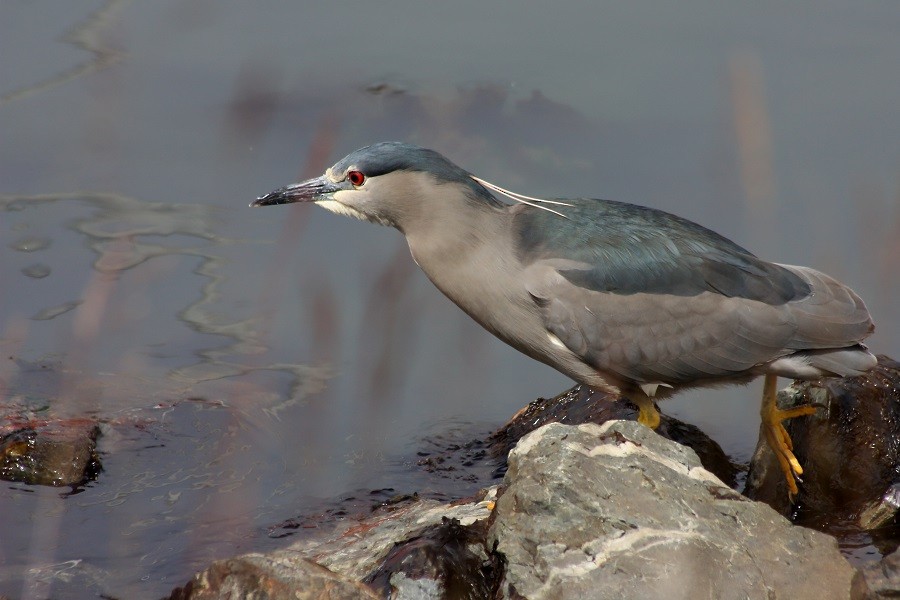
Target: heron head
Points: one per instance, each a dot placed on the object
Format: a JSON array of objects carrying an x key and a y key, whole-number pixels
[{"x": 387, "y": 183}]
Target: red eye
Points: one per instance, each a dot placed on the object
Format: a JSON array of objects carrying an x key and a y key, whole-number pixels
[{"x": 356, "y": 178}]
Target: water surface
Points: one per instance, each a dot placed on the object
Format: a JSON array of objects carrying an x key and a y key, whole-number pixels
[{"x": 248, "y": 364}]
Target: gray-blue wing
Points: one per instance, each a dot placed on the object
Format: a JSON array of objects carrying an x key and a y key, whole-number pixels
[{"x": 623, "y": 248}]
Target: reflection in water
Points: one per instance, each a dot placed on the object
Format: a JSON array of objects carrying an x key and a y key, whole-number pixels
[
  {"x": 51, "y": 312},
  {"x": 31, "y": 244},
  {"x": 36, "y": 271},
  {"x": 88, "y": 37},
  {"x": 753, "y": 139},
  {"x": 124, "y": 233}
]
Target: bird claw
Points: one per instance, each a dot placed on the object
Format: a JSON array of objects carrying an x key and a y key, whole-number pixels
[
  {"x": 777, "y": 436},
  {"x": 790, "y": 466}
]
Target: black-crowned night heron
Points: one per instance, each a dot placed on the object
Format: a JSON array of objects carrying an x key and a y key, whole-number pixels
[{"x": 623, "y": 298}]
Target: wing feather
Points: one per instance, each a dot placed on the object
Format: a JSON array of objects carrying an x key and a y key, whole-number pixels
[
  {"x": 653, "y": 298},
  {"x": 659, "y": 337}
]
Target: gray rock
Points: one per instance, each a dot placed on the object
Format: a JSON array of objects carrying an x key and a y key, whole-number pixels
[
  {"x": 883, "y": 577},
  {"x": 616, "y": 511},
  {"x": 415, "y": 589}
]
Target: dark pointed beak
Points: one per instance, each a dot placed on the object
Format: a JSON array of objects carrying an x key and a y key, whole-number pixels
[{"x": 311, "y": 190}]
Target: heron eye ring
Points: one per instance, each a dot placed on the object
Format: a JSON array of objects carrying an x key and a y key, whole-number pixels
[{"x": 356, "y": 178}]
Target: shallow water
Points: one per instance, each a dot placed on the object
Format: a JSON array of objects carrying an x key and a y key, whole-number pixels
[{"x": 133, "y": 136}]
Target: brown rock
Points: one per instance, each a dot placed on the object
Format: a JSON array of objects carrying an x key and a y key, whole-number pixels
[
  {"x": 849, "y": 450},
  {"x": 57, "y": 453}
]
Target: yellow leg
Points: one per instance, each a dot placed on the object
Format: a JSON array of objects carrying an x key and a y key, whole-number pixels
[
  {"x": 647, "y": 413},
  {"x": 777, "y": 436}
]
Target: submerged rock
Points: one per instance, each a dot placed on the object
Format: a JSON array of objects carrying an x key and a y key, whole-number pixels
[{"x": 616, "y": 511}]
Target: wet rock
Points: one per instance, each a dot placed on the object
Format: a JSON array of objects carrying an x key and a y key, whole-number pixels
[
  {"x": 359, "y": 548},
  {"x": 57, "y": 453},
  {"x": 849, "y": 450},
  {"x": 396, "y": 549},
  {"x": 582, "y": 404},
  {"x": 883, "y": 578},
  {"x": 442, "y": 561},
  {"x": 266, "y": 577},
  {"x": 616, "y": 511}
]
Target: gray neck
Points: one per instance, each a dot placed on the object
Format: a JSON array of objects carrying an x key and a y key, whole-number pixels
[
  {"x": 468, "y": 254},
  {"x": 454, "y": 234}
]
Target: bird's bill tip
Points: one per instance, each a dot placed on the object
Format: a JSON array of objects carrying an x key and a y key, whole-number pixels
[
  {"x": 311, "y": 190},
  {"x": 271, "y": 199}
]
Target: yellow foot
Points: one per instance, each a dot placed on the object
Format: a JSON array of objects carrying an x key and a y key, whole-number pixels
[
  {"x": 777, "y": 436},
  {"x": 647, "y": 413}
]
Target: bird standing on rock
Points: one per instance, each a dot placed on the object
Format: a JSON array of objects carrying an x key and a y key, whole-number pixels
[{"x": 624, "y": 298}]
